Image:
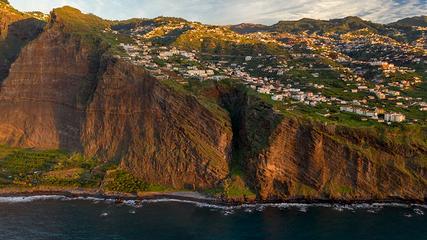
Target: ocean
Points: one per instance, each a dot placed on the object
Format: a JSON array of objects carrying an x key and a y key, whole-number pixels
[{"x": 57, "y": 217}]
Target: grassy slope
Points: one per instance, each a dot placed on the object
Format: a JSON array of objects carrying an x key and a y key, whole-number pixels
[
  {"x": 75, "y": 21},
  {"x": 30, "y": 168},
  {"x": 90, "y": 28}
]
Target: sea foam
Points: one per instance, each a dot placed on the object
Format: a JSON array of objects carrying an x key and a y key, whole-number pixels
[
  {"x": 21, "y": 199},
  {"x": 303, "y": 207}
]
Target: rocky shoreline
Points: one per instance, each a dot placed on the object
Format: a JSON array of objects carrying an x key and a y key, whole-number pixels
[{"x": 196, "y": 197}]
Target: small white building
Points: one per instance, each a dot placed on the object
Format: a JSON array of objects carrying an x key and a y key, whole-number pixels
[
  {"x": 278, "y": 97},
  {"x": 394, "y": 117},
  {"x": 299, "y": 97}
]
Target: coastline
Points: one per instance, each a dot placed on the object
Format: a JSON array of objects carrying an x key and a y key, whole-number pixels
[{"x": 190, "y": 196}]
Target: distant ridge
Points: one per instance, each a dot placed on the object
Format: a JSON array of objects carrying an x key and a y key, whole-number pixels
[
  {"x": 420, "y": 21},
  {"x": 245, "y": 28},
  {"x": 342, "y": 25}
]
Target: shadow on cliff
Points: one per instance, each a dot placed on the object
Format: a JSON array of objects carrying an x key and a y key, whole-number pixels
[
  {"x": 19, "y": 34},
  {"x": 70, "y": 120},
  {"x": 253, "y": 122}
]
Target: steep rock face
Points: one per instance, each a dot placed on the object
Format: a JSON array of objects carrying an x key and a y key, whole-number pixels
[
  {"x": 59, "y": 95},
  {"x": 42, "y": 99},
  {"x": 304, "y": 160},
  {"x": 286, "y": 158},
  {"x": 161, "y": 136}
]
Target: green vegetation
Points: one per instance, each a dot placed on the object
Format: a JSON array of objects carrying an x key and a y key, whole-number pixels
[
  {"x": 93, "y": 30},
  {"x": 335, "y": 25},
  {"x": 176, "y": 86},
  {"x": 402, "y": 140},
  {"x": 18, "y": 162},
  {"x": 366, "y": 137},
  {"x": 335, "y": 189},
  {"x": 200, "y": 90},
  {"x": 27, "y": 167},
  {"x": 305, "y": 190},
  {"x": 122, "y": 181},
  {"x": 73, "y": 20},
  {"x": 419, "y": 91},
  {"x": 254, "y": 116},
  {"x": 259, "y": 113},
  {"x": 236, "y": 187},
  {"x": 233, "y": 188},
  {"x": 421, "y": 162},
  {"x": 412, "y": 21},
  {"x": 54, "y": 168},
  {"x": 345, "y": 190},
  {"x": 119, "y": 180},
  {"x": 74, "y": 170},
  {"x": 76, "y": 177},
  {"x": 223, "y": 41},
  {"x": 31, "y": 168},
  {"x": 264, "y": 115}
]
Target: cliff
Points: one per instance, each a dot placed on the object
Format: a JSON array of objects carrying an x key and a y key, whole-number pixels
[
  {"x": 286, "y": 157},
  {"x": 160, "y": 135},
  {"x": 66, "y": 91},
  {"x": 42, "y": 99},
  {"x": 306, "y": 160}
]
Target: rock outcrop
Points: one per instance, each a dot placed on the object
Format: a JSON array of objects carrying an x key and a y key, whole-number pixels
[
  {"x": 42, "y": 98},
  {"x": 62, "y": 93},
  {"x": 158, "y": 134},
  {"x": 290, "y": 158},
  {"x": 305, "y": 160}
]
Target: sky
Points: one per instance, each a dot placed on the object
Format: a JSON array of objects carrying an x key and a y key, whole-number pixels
[{"x": 237, "y": 11}]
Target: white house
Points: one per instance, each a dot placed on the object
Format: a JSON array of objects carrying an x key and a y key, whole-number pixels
[{"x": 394, "y": 117}]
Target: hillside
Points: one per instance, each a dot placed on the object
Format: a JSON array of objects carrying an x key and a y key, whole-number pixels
[
  {"x": 245, "y": 28},
  {"x": 335, "y": 25},
  {"x": 343, "y": 25},
  {"x": 68, "y": 109},
  {"x": 420, "y": 21},
  {"x": 166, "y": 104}
]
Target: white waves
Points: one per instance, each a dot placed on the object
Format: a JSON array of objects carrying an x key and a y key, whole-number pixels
[{"x": 226, "y": 209}]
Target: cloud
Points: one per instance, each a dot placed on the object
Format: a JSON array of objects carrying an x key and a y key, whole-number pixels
[{"x": 237, "y": 11}]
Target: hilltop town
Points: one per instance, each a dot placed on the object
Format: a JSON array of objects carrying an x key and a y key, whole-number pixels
[{"x": 359, "y": 75}]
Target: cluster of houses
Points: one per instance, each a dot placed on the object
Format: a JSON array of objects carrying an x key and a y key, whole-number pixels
[
  {"x": 374, "y": 114},
  {"x": 144, "y": 53},
  {"x": 371, "y": 42},
  {"x": 280, "y": 93}
]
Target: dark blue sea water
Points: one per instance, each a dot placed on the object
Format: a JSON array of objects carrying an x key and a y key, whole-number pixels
[{"x": 53, "y": 219}]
